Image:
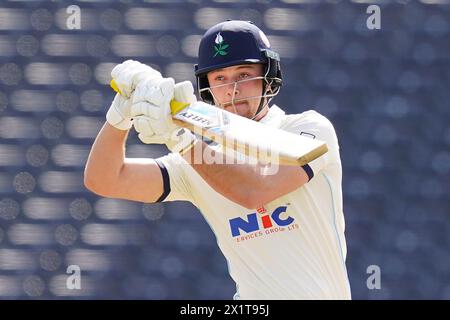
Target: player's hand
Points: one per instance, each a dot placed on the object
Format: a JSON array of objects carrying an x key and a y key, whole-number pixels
[
  {"x": 128, "y": 74},
  {"x": 152, "y": 99},
  {"x": 150, "y": 127},
  {"x": 126, "y": 77},
  {"x": 119, "y": 113}
]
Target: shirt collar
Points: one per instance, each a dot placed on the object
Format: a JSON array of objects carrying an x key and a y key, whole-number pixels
[{"x": 274, "y": 117}]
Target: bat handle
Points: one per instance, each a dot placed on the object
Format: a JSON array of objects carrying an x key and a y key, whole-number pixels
[{"x": 175, "y": 106}]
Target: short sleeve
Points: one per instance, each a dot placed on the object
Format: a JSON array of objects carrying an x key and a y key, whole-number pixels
[
  {"x": 315, "y": 126},
  {"x": 176, "y": 184}
]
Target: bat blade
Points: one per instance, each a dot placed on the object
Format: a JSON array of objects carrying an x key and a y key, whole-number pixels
[{"x": 249, "y": 137}]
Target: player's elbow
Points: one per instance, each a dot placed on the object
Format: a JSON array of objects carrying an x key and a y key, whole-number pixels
[
  {"x": 250, "y": 199},
  {"x": 247, "y": 204},
  {"x": 99, "y": 188},
  {"x": 96, "y": 184},
  {"x": 91, "y": 182},
  {"x": 239, "y": 198},
  {"x": 256, "y": 201},
  {"x": 256, "y": 198}
]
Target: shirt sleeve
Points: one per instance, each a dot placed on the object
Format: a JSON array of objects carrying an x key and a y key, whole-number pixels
[
  {"x": 176, "y": 185},
  {"x": 315, "y": 126}
]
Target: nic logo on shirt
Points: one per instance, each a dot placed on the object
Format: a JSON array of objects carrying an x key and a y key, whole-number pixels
[{"x": 266, "y": 221}]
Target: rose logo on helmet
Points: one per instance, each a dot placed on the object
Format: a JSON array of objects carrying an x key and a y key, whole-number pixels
[{"x": 220, "y": 46}]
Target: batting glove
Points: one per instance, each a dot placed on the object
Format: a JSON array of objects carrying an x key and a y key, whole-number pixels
[
  {"x": 154, "y": 124},
  {"x": 119, "y": 113},
  {"x": 126, "y": 76}
]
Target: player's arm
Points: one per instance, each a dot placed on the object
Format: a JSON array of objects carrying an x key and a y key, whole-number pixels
[
  {"x": 110, "y": 174},
  {"x": 243, "y": 184},
  {"x": 246, "y": 184}
]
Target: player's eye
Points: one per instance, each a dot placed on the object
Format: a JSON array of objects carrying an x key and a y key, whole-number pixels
[
  {"x": 219, "y": 78},
  {"x": 244, "y": 76}
]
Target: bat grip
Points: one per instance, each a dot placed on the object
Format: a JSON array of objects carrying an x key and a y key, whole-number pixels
[{"x": 175, "y": 106}]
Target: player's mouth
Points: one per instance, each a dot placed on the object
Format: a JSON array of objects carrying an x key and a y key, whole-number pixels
[{"x": 236, "y": 103}]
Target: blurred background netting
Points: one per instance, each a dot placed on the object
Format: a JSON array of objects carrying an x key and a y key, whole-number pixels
[{"x": 386, "y": 91}]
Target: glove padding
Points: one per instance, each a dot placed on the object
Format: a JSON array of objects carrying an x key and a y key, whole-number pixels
[
  {"x": 126, "y": 76},
  {"x": 155, "y": 125},
  {"x": 119, "y": 113},
  {"x": 152, "y": 100}
]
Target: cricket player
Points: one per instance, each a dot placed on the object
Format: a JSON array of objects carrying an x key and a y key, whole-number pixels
[{"x": 282, "y": 234}]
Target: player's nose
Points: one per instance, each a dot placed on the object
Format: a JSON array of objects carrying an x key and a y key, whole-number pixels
[{"x": 233, "y": 89}]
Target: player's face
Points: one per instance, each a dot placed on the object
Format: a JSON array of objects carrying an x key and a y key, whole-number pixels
[{"x": 235, "y": 90}]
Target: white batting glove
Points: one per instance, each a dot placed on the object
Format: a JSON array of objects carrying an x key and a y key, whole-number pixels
[
  {"x": 119, "y": 113},
  {"x": 129, "y": 73},
  {"x": 157, "y": 126},
  {"x": 152, "y": 99},
  {"x": 126, "y": 77}
]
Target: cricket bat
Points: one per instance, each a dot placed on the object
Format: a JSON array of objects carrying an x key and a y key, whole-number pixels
[{"x": 243, "y": 135}]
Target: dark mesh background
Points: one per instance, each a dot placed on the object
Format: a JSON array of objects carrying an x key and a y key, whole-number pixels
[{"x": 386, "y": 91}]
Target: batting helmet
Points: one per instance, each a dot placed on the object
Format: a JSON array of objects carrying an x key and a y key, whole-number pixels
[{"x": 231, "y": 43}]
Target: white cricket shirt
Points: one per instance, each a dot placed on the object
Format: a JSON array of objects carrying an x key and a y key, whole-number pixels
[{"x": 292, "y": 248}]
